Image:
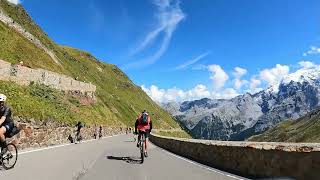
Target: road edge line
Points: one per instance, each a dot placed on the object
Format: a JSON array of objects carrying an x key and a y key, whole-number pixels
[
  {"x": 62, "y": 145},
  {"x": 200, "y": 165}
]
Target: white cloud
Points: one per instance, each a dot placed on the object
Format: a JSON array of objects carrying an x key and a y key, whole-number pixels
[
  {"x": 192, "y": 61},
  {"x": 218, "y": 76},
  {"x": 306, "y": 64},
  {"x": 238, "y": 72},
  {"x": 175, "y": 94},
  {"x": 14, "y": 1},
  {"x": 200, "y": 91},
  {"x": 312, "y": 50},
  {"x": 262, "y": 80},
  {"x": 238, "y": 83},
  {"x": 169, "y": 15},
  {"x": 254, "y": 85},
  {"x": 274, "y": 75},
  {"x": 225, "y": 94}
]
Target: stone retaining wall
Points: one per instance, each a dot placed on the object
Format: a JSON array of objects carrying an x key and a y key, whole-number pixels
[
  {"x": 249, "y": 159},
  {"x": 24, "y": 76},
  {"x": 36, "y": 134}
]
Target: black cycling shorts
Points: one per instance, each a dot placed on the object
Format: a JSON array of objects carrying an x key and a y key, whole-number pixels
[
  {"x": 146, "y": 133},
  {"x": 8, "y": 126}
]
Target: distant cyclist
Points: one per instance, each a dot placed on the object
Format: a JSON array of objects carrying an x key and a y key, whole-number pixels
[
  {"x": 100, "y": 132},
  {"x": 79, "y": 126},
  {"x": 6, "y": 121},
  {"x": 143, "y": 125}
]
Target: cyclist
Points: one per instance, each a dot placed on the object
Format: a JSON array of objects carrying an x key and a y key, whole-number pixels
[
  {"x": 78, "y": 126},
  {"x": 143, "y": 125},
  {"x": 6, "y": 121},
  {"x": 100, "y": 132}
]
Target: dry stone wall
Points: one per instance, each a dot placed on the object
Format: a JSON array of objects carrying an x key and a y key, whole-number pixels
[
  {"x": 250, "y": 159},
  {"x": 24, "y": 76},
  {"x": 36, "y": 134}
]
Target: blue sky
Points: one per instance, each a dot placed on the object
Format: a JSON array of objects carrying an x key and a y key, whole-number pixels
[{"x": 189, "y": 49}]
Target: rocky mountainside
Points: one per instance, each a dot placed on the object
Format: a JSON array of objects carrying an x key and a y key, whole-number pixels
[
  {"x": 118, "y": 100},
  {"x": 245, "y": 115}
]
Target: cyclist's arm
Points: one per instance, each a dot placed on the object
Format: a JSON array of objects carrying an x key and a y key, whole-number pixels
[
  {"x": 150, "y": 126},
  {"x": 136, "y": 126},
  {"x": 3, "y": 118},
  {"x": 6, "y": 113}
]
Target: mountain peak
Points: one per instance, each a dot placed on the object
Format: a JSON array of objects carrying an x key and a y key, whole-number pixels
[{"x": 303, "y": 75}]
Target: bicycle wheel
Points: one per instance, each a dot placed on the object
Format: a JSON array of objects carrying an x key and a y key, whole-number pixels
[
  {"x": 142, "y": 147},
  {"x": 9, "y": 159}
]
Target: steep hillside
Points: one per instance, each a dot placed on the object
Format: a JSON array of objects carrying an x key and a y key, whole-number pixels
[
  {"x": 119, "y": 100},
  {"x": 304, "y": 129}
]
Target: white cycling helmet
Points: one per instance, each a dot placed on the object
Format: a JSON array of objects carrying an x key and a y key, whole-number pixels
[{"x": 3, "y": 97}]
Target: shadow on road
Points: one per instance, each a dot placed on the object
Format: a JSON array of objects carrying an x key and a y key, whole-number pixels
[
  {"x": 131, "y": 160},
  {"x": 130, "y": 141}
]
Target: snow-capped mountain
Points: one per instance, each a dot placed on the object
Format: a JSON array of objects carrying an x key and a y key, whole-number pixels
[{"x": 245, "y": 115}]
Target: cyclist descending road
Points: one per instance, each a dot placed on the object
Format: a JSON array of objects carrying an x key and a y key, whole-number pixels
[
  {"x": 6, "y": 121},
  {"x": 78, "y": 134},
  {"x": 100, "y": 132},
  {"x": 8, "y": 151},
  {"x": 143, "y": 125}
]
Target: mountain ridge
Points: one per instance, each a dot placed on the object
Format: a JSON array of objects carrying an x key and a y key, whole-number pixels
[{"x": 249, "y": 114}]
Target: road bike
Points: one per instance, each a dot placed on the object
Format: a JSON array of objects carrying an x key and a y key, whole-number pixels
[
  {"x": 141, "y": 144},
  {"x": 78, "y": 137},
  {"x": 9, "y": 156},
  {"x": 9, "y": 153}
]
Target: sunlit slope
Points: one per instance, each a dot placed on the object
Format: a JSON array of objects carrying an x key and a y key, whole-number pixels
[
  {"x": 304, "y": 129},
  {"x": 119, "y": 100}
]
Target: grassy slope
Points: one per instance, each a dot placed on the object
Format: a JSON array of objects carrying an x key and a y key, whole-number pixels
[
  {"x": 304, "y": 129},
  {"x": 178, "y": 134},
  {"x": 118, "y": 99}
]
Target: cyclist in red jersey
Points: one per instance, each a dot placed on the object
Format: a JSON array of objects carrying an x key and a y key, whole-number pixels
[{"x": 143, "y": 125}]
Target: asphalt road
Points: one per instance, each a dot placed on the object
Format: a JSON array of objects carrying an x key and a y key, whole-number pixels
[{"x": 113, "y": 158}]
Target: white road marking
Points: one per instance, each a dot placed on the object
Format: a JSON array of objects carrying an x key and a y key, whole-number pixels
[
  {"x": 198, "y": 164},
  {"x": 62, "y": 145}
]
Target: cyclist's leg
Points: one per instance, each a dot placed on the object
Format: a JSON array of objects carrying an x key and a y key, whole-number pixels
[
  {"x": 146, "y": 140},
  {"x": 3, "y": 130},
  {"x": 3, "y": 144},
  {"x": 78, "y": 134}
]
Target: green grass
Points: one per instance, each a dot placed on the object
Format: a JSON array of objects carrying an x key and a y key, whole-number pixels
[
  {"x": 304, "y": 129},
  {"x": 119, "y": 100},
  {"x": 177, "y": 134}
]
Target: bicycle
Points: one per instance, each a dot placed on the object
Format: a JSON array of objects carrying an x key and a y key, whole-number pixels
[
  {"x": 9, "y": 153},
  {"x": 77, "y": 137},
  {"x": 9, "y": 156},
  {"x": 141, "y": 144},
  {"x": 100, "y": 135}
]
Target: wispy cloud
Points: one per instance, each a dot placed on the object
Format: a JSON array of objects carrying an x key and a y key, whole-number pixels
[
  {"x": 192, "y": 61},
  {"x": 312, "y": 50},
  {"x": 168, "y": 15}
]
